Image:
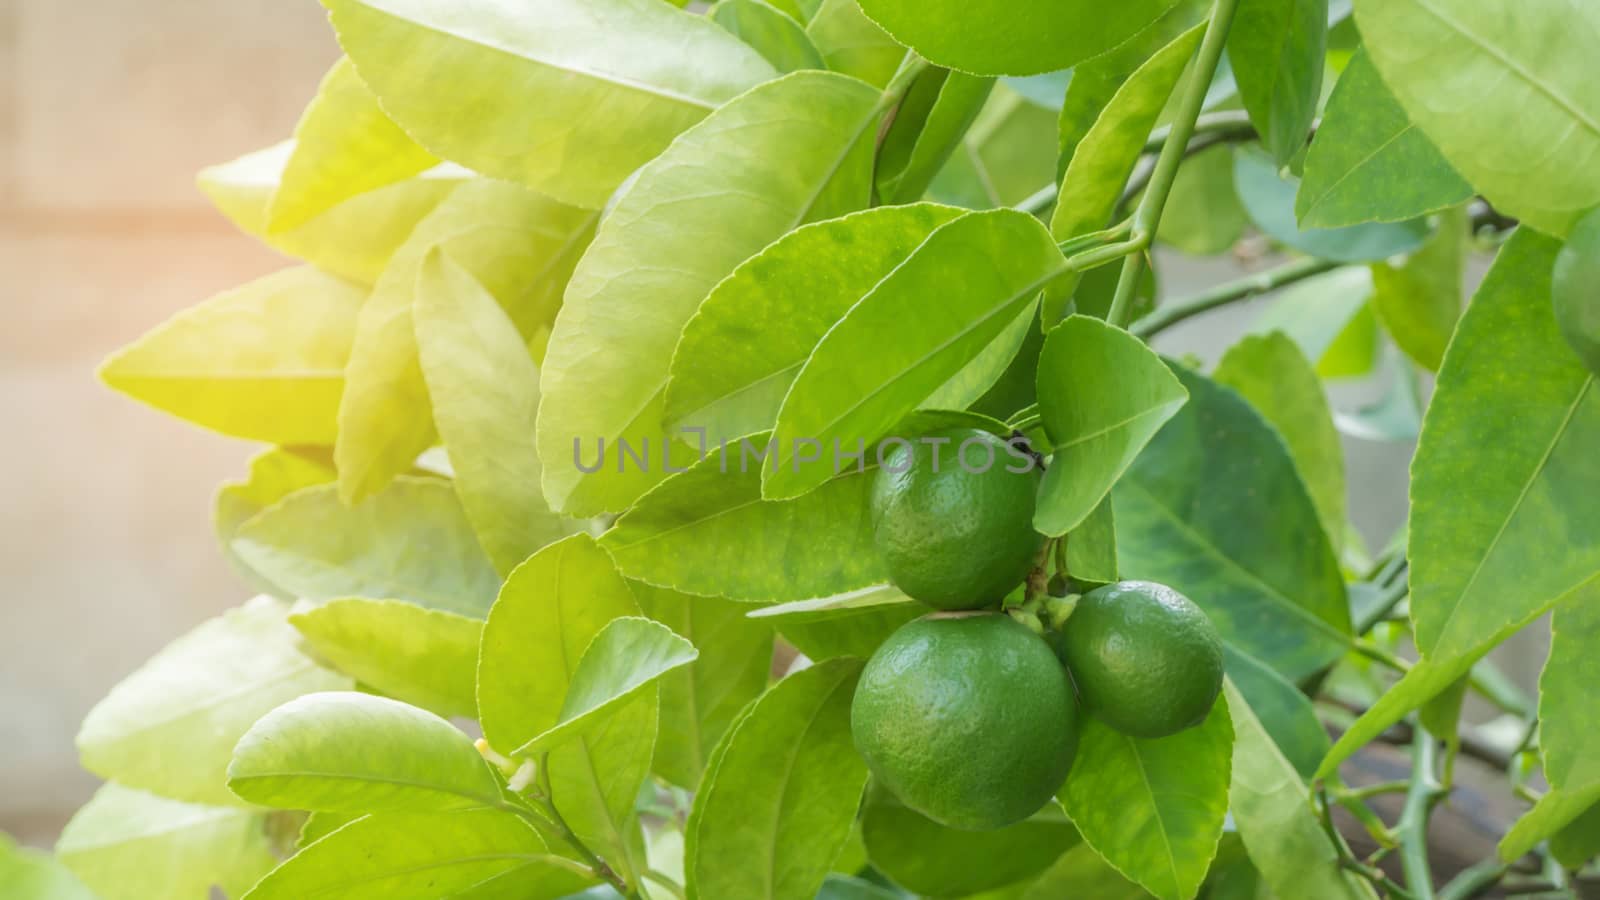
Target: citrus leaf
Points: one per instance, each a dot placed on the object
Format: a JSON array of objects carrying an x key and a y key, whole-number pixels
[
  {"x": 1488, "y": 561},
  {"x": 1257, "y": 560},
  {"x": 856, "y": 634},
  {"x": 1418, "y": 299},
  {"x": 791, "y": 151},
  {"x": 544, "y": 78},
  {"x": 708, "y": 531},
  {"x": 129, "y": 845},
  {"x": 1102, "y": 160},
  {"x": 1005, "y": 158},
  {"x": 1271, "y": 373},
  {"x": 1567, "y": 715},
  {"x": 1272, "y": 810},
  {"x": 893, "y": 350},
  {"x": 1572, "y": 287},
  {"x": 851, "y": 44},
  {"x": 29, "y": 874},
  {"x": 781, "y": 798},
  {"x": 1462, "y": 69},
  {"x": 1330, "y": 320},
  {"x": 1578, "y": 841},
  {"x": 928, "y": 126},
  {"x": 1153, "y": 808},
  {"x": 833, "y": 607},
  {"x": 425, "y": 657},
  {"x": 344, "y": 146},
  {"x": 353, "y": 239},
  {"x": 1080, "y": 872},
  {"x": 200, "y": 693},
  {"x": 549, "y": 611},
  {"x": 264, "y": 361},
  {"x": 520, "y": 246},
  {"x": 627, "y": 656},
  {"x": 1369, "y": 163},
  {"x": 996, "y": 38},
  {"x": 700, "y": 701},
  {"x": 1103, "y": 395},
  {"x": 739, "y": 353},
  {"x": 1281, "y": 709},
  {"x": 411, "y": 542},
  {"x": 351, "y": 752},
  {"x": 921, "y": 855},
  {"x": 1203, "y": 216},
  {"x": 1269, "y": 199},
  {"x": 1092, "y": 546},
  {"x": 1276, "y": 48},
  {"x": 484, "y": 388},
  {"x": 478, "y": 853},
  {"x": 771, "y": 32},
  {"x": 274, "y": 474}
]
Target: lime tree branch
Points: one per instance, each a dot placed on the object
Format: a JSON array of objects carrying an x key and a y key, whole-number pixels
[
  {"x": 1412, "y": 828},
  {"x": 1148, "y": 216},
  {"x": 1231, "y": 292}
]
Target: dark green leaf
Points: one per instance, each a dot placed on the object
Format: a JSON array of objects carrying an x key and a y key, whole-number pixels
[
  {"x": 1276, "y": 48},
  {"x": 936, "y": 861},
  {"x": 1574, "y": 294},
  {"x": 1418, "y": 299}
]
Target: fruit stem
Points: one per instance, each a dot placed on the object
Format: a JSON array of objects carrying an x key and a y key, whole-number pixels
[
  {"x": 1028, "y": 619},
  {"x": 1059, "y": 609}
]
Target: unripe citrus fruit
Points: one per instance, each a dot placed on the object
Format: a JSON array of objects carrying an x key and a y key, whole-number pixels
[
  {"x": 968, "y": 718},
  {"x": 1145, "y": 659},
  {"x": 953, "y": 526}
]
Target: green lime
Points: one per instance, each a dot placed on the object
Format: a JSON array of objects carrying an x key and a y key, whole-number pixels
[
  {"x": 968, "y": 718},
  {"x": 953, "y": 518},
  {"x": 1146, "y": 660}
]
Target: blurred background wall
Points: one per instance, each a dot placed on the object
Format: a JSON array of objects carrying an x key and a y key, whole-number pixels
[{"x": 106, "y": 552}]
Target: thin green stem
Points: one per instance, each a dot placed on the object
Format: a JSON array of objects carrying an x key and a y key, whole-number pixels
[
  {"x": 911, "y": 66},
  {"x": 559, "y": 823},
  {"x": 1232, "y": 124},
  {"x": 1147, "y": 218},
  {"x": 1093, "y": 239},
  {"x": 1099, "y": 256},
  {"x": 1230, "y": 292},
  {"x": 1375, "y": 790},
  {"x": 1387, "y": 601},
  {"x": 1028, "y": 422},
  {"x": 1412, "y": 828},
  {"x": 666, "y": 881},
  {"x": 1474, "y": 881}
]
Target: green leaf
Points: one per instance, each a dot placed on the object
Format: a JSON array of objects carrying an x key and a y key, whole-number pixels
[
  {"x": 854, "y": 632},
  {"x": 997, "y": 38},
  {"x": 411, "y": 542},
  {"x": 740, "y": 351},
  {"x": 1330, "y": 320},
  {"x": 1573, "y": 290},
  {"x": 1103, "y": 395},
  {"x": 771, "y": 32},
  {"x": 1567, "y": 713},
  {"x": 1272, "y": 810},
  {"x": 274, "y": 474},
  {"x": 700, "y": 701},
  {"x": 545, "y": 78},
  {"x": 1394, "y": 416},
  {"x": 1418, "y": 299},
  {"x": 31, "y": 875},
  {"x": 1005, "y": 157},
  {"x": 549, "y": 611},
  {"x": 170, "y": 727},
  {"x": 1216, "y": 506},
  {"x": 893, "y": 350},
  {"x": 264, "y": 361},
  {"x": 923, "y": 856},
  {"x": 521, "y": 247},
  {"x": 1276, "y": 48},
  {"x": 1269, "y": 199},
  {"x": 353, "y": 239},
  {"x": 484, "y": 388},
  {"x": 1153, "y": 808},
  {"x": 708, "y": 531},
  {"x": 485, "y": 854},
  {"x": 345, "y": 145},
  {"x": 627, "y": 656},
  {"x": 1463, "y": 69},
  {"x": 792, "y": 151},
  {"x": 780, "y": 799},
  {"x": 1092, "y": 546},
  {"x": 1203, "y": 215},
  {"x": 1285, "y": 712},
  {"x": 851, "y": 44},
  {"x": 351, "y": 752},
  {"x": 1579, "y": 841},
  {"x": 1271, "y": 373},
  {"x": 1102, "y": 161},
  {"x": 424, "y": 657},
  {"x": 128, "y": 845},
  {"x": 1369, "y": 163},
  {"x": 1080, "y": 872},
  {"x": 1488, "y": 561},
  {"x": 928, "y": 126}
]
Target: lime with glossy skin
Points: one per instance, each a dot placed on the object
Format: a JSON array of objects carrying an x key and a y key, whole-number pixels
[
  {"x": 968, "y": 718},
  {"x": 953, "y": 526},
  {"x": 1146, "y": 660}
]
